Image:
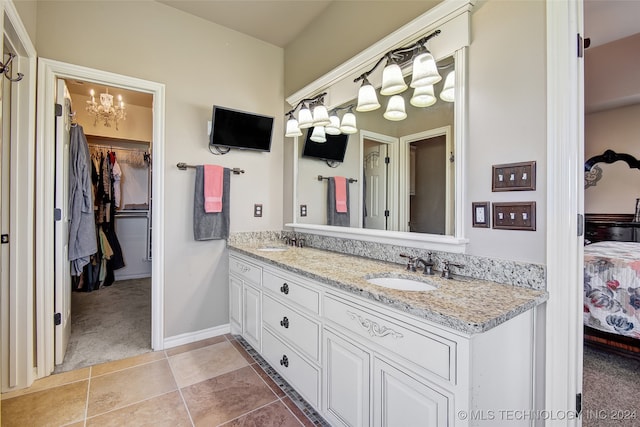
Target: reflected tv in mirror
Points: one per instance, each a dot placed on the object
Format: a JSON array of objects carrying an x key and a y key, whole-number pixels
[
  {"x": 239, "y": 129},
  {"x": 334, "y": 149}
]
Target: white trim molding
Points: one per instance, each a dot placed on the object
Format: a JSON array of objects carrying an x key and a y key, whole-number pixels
[
  {"x": 48, "y": 71},
  {"x": 565, "y": 152},
  {"x": 189, "y": 337}
]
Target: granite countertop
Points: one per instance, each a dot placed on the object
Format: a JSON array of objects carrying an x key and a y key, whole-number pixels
[{"x": 465, "y": 304}]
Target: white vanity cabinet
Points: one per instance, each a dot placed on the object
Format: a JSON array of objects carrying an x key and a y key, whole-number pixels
[
  {"x": 363, "y": 363},
  {"x": 245, "y": 300}
]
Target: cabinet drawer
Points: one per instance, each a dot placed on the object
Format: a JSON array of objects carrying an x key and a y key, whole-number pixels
[
  {"x": 302, "y": 375},
  {"x": 297, "y": 329},
  {"x": 430, "y": 351},
  {"x": 289, "y": 290},
  {"x": 246, "y": 270}
]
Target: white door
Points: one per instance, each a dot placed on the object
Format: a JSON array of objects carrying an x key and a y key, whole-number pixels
[
  {"x": 61, "y": 253},
  {"x": 375, "y": 176},
  {"x": 5, "y": 165}
]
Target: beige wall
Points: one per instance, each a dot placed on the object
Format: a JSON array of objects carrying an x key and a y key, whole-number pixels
[
  {"x": 201, "y": 64},
  {"x": 507, "y": 114},
  {"x": 617, "y": 130}
]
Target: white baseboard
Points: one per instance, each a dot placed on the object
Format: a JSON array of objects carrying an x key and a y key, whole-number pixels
[
  {"x": 190, "y": 337},
  {"x": 131, "y": 276}
]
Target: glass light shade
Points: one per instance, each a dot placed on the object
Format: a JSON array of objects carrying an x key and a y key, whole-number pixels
[
  {"x": 318, "y": 134},
  {"x": 423, "y": 96},
  {"x": 395, "y": 109},
  {"x": 348, "y": 125},
  {"x": 367, "y": 98},
  {"x": 392, "y": 80},
  {"x": 448, "y": 90},
  {"x": 425, "y": 71},
  {"x": 292, "y": 128},
  {"x": 305, "y": 120},
  {"x": 333, "y": 128},
  {"x": 320, "y": 116}
]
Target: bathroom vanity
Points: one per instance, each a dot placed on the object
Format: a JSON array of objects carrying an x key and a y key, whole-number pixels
[{"x": 368, "y": 355}]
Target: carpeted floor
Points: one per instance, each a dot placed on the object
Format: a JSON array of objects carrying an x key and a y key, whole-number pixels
[
  {"x": 109, "y": 324},
  {"x": 611, "y": 389}
]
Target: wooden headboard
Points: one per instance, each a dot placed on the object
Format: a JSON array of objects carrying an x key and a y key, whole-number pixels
[{"x": 612, "y": 227}]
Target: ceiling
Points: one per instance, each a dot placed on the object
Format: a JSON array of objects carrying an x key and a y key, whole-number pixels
[
  {"x": 276, "y": 22},
  {"x": 609, "y": 20}
]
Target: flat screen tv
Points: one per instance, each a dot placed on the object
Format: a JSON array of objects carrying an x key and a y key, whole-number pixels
[
  {"x": 334, "y": 149},
  {"x": 239, "y": 129}
]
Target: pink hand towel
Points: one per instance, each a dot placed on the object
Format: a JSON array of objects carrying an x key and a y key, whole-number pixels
[
  {"x": 341, "y": 193},
  {"x": 213, "y": 177}
]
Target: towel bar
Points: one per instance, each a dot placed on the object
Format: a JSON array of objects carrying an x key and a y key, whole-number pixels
[
  {"x": 183, "y": 167},
  {"x": 351, "y": 180}
]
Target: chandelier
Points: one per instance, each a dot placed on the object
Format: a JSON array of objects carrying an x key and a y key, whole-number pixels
[{"x": 106, "y": 111}]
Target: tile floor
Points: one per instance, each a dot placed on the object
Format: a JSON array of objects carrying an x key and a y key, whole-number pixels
[{"x": 214, "y": 382}]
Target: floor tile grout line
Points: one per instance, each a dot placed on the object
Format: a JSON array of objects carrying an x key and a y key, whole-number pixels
[
  {"x": 86, "y": 405},
  {"x": 292, "y": 413},
  {"x": 128, "y": 405},
  {"x": 128, "y": 367},
  {"x": 276, "y": 399},
  {"x": 184, "y": 402}
]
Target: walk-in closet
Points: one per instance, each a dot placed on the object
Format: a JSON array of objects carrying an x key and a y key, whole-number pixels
[{"x": 111, "y": 293}]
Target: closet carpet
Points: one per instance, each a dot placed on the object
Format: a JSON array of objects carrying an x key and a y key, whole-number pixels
[
  {"x": 611, "y": 386},
  {"x": 109, "y": 324}
]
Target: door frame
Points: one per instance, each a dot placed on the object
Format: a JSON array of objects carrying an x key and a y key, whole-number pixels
[
  {"x": 48, "y": 72},
  {"x": 450, "y": 174},
  {"x": 392, "y": 175},
  {"x": 564, "y": 259},
  {"x": 18, "y": 309}
]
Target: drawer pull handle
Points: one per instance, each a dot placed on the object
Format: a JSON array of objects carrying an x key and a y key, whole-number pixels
[
  {"x": 284, "y": 361},
  {"x": 284, "y": 322},
  {"x": 284, "y": 289},
  {"x": 373, "y": 328}
]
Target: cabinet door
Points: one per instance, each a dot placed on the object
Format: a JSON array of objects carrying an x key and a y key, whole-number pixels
[
  {"x": 402, "y": 399},
  {"x": 235, "y": 305},
  {"x": 346, "y": 382},
  {"x": 251, "y": 316}
]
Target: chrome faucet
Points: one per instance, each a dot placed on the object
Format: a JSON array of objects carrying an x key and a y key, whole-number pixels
[
  {"x": 411, "y": 263},
  {"x": 427, "y": 265},
  {"x": 446, "y": 272}
]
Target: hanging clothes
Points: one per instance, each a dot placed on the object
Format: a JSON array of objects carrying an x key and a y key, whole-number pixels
[
  {"x": 82, "y": 231},
  {"x": 116, "y": 173}
]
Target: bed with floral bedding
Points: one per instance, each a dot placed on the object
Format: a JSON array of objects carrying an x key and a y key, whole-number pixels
[{"x": 612, "y": 287}]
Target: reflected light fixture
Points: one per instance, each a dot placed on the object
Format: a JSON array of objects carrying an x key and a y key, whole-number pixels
[
  {"x": 322, "y": 121},
  {"x": 424, "y": 74},
  {"x": 106, "y": 111},
  {"x": 448, "y": 91}
]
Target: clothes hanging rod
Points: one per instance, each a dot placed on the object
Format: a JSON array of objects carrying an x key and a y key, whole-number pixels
[
  {"x": 351, "y": 180},
  {"x": 183, "y": 167},
  {"x": 112, "y": 148}
]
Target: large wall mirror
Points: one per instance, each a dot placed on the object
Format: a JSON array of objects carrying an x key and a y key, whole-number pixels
[{"x": 416, "y": 197}]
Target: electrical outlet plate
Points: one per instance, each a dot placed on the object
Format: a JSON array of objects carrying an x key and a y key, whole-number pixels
[
  {"x": 303, "y": 210},
  {"x": 514, "y": 177},
  {"x": 514, "y": 216},
  {"x": 257, "y": 211}
]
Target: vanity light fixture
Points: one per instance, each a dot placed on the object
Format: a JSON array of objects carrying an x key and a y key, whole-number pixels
[
  {"x": 424, "y": 75},
  {"x": 322, "y": 121},
  {"x": 448, "y": 91}
]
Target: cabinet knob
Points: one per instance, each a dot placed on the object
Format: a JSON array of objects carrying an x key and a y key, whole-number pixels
[
  {"x": 284, "y": 322},
  {"x": 284, "y": 289},
  {"x": 284, "y": 361}
]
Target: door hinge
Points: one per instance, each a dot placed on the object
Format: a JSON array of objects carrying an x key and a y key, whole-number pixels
[
  {"x": 578, "y": 403},
  {"x": 57, "y": 319},
  {"x": 57, "y": 214},
  {"x": 58, "y": 110},
  {"x": 386, "y": 212},
  {"x": 4, "y": 238},
  {"x": 387, "y": 160},
  {"x": 580, "y": 225},
  {"x": 582, "y": 45}
]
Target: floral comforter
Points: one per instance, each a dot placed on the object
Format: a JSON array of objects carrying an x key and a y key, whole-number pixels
[{"x": 612, "y": 287}]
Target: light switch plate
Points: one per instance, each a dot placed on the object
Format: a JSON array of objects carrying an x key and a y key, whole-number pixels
[
  {"x": 257, "y": 210},
  {"x": 514, "y": 177},
  {"x": 303, "y": 210},
  {"x": 514, "y": 216}
]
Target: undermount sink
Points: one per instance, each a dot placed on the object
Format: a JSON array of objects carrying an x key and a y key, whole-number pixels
[
  {"x": 402, "y": 283},
  {"x": 273, "y": 248}
]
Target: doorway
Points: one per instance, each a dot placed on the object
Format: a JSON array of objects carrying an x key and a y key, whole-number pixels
[
  {"x": 108, "y": 315},
  {"x": 49, "y": 73}
]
